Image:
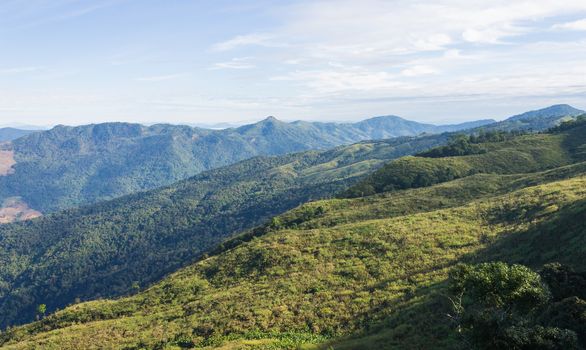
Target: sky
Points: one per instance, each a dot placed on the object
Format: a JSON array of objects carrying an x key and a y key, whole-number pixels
[{"x": 195, "y": 61}]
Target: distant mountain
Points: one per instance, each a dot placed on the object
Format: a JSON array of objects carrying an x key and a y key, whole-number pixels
[
  {"x": 537, "y": 120},
  {"x": 9, "y": 134},
  {"x": 70, "y": 166},
  {"x": 561, "y": 110}
]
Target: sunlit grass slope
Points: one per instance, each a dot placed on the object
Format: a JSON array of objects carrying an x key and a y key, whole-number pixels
[{"x": 333, "y": 275}]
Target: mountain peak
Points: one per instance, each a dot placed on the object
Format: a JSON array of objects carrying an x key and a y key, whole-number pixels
[
  {"x": 559, "y": 110},
  {"x": 270, "y": 119}
]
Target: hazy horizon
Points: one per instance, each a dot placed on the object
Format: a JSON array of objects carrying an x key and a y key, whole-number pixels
[{"x": 237, "y": 123}]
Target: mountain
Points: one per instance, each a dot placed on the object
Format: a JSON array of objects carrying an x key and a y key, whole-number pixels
[
  {"x": 361, "y": 273},
  {"x": 561, "y": 110},
  {"x": 9, "y": 134},
  {"x": 103, "y": 249},
  {"x": 537, "y": 120},
  {"x": 67, "y": 167}
]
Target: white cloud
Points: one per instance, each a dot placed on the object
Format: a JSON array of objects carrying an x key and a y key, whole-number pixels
[
  {"x": 576, "y": 25},
  {"x": 158, "y": 78},
  {"x": 368, "y": 28},
  {"x": 244, "y": 40},
  {"x": 346, "y": 80},
  {"x": 419, "y": 70},
  {"x": 235, "y": 63}
]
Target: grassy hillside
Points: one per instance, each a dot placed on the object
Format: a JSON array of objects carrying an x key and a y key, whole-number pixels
[
  {"x": 358, "y": 273},
  {"x": 527, "y": 153},
  {"x": 70, "y": 166},
  {"x": 103, "y": 249}
]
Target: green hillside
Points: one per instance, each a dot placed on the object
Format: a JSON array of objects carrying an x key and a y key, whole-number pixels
[
  {"x": 67, "y": 167},
  {"x": 359, "y": 273},
  {"x": 526, "y": 153},
  {"x": 104, "y": 249}
]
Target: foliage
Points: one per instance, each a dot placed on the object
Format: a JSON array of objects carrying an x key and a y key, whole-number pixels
[
  {"x": 569, "y": 124},
  {"x": 356, "y": 274},
  {"x": 520, "y": 154},
  {"x": 500, "y": 306},
  {"x": 67, "y": 167},
  {"x": 464, "y": 145},
  {"x": 499, "y": 286},
  {"x": 103, "y": 249},
  {"x": 460, "y": 145}
]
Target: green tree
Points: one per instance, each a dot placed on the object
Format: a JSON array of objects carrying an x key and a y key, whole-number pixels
[
  {"x": 495, "y": 305},
  {"x": 41, "y": 310}
]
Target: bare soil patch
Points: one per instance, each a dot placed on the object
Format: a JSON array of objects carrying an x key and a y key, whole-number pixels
[
  {"x": 15, "y": 209},
  {"x": 6, "y": 162}
]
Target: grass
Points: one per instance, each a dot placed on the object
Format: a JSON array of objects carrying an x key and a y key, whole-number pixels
[
  {"x": 360, "y": 273},
  {"x": 340, "y": 278}
]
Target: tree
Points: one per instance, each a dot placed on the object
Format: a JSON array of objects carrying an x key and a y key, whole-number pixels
[
  {"x": 496, "y": 306},
  {"x": 41, "y": 310}
]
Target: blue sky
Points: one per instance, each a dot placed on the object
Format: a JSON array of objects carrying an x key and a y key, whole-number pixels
[{"x": 182, "y": 61}]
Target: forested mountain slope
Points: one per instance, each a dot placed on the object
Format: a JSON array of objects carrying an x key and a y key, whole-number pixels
[
  {"x": 70, "y": 166},
  {"x": 537, "y": 120},
  {"x": 358, "y": 273},
  {"x": 101, "y": 250}
]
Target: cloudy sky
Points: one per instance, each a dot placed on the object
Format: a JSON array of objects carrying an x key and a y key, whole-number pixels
[{"x": 191, "y": 61}]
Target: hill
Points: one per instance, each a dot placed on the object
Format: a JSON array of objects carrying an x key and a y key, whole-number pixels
[
  {"x": 9, "y": 134},
  {"x": 67, "y": 167},
  {"x": 103, "y": 249},
  {"x": 526, "y": 153},
  {"x": 356, "y": 273},
  {"x": 537, "y": 120}
]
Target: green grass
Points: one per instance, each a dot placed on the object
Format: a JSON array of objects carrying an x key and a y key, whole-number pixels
[{"x": 335, "y": 280}]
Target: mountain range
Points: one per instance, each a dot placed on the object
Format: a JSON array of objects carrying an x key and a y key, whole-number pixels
[
  {"x": 371, "y": 272},
  {"x": 66, "y": 167},
  {"x": 70, "y": 166}
]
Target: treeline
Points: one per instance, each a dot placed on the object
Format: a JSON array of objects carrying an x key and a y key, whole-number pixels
[{"x": 463, "y": 145}]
